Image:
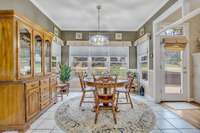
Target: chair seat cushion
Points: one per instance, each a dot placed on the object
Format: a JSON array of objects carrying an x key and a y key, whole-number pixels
[
  {"x": 122, "y": 90},
  {"x": 88, "y": 89},
  {"x": 105, "y": 97}
]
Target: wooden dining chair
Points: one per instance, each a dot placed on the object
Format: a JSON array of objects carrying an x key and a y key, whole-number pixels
[
  {"x": 85, "y": 89},
  {"x": 126, "y": 92},
  {"x": 105, "y": 94}
]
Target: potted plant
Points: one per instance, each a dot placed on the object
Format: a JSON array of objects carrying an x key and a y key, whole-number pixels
[{"x": 65, "y": 74}]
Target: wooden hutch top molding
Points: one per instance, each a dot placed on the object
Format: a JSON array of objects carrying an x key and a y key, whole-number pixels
[{"x": 13, "y": 13}]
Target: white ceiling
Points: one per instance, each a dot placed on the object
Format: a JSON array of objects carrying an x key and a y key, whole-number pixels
[{"x": 116, "y": 15}]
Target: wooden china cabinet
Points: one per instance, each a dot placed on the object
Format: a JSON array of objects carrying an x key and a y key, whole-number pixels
[{"x": 27, "y": 85}]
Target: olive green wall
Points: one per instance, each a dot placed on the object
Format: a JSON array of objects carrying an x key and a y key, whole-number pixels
[
  {"x": 148, "y": 27},
  {"x": 30, "y": 11},
  {"x": 127, "y": 36}
]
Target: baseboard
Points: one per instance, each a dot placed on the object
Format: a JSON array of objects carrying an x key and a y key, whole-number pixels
[
  {"x": 196, "y": 100},
  {"x": 191, "y": 100},
  {"x": 18, "y": 128}
]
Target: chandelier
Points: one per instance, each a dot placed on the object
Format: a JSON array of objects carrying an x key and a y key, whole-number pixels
[{"x": 98, "y": 39}]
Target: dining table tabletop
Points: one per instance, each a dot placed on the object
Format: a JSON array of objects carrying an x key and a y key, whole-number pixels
[{"x": 119, "y": 82}]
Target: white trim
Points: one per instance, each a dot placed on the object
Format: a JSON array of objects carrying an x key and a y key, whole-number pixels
[
  {"x": 57, "y": 40},
  {"x": 188, "y": 61},
  {"x": 168, "y": 12},
  {"x": 152, "y": 14},
  {"x": 156, "y": 69},
  {"x": 111, "y": 43},
  {"x": 142, "y": 39},
  {"x": 182, "y": 20}
]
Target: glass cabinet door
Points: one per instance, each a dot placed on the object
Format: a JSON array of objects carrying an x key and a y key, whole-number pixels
[
  {"x": 24, "y": 51},
  {"x": 47, "y": 48},
  {"x": 38, "y": 55}
]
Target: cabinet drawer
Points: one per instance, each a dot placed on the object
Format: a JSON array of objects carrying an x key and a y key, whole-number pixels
[
  {"x": 53, "y": 80},
  {"x": 44, "y": 104},
  {"x": 32, "y": 85},
  {"x": 44, "y": 98},
  {"x": 32, "y": 90},
  {"x": 44, "y": 83}
]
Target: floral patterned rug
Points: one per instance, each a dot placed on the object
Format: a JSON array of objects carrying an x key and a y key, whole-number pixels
[{"x": 74, "y": 119}]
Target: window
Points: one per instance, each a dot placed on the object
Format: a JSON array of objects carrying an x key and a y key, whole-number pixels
[{"x": 99, "y": 60}]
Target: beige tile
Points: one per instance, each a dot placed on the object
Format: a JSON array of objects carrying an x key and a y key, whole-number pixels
[
  {"x": 41, "y": 131},
  {"x": 158, "y": 116},
  {"x": 35, "y": 124},
  {"x": 29, "y": 131},
  {"x": 179, "y": 123},
  {"x": 56, "y": 127},
  {"x": 10, "y": 132},
  {"x": 167, "y": 114},
  {"x": 190, "y": 130},
  {"x": 164, "y": 124},
  {"x": 47, "y": 124},
  {"x": 57, "y": 131},
  {"x": 156, "y": 131},
  {"x": 50, "y": 115},
  {"x": 171, "y": 131}
]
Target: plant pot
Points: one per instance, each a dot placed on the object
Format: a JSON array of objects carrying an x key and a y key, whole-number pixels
[{"x": 67, "y": 87}]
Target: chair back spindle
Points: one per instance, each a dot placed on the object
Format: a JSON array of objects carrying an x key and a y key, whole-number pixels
[
  {"x": 130, "y": 83},
  {"x": 105, "y": 86},
  {"x": 82, "y": 83}
]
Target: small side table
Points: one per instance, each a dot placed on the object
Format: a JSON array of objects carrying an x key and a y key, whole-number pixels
[{"x": 61, "y": 88}]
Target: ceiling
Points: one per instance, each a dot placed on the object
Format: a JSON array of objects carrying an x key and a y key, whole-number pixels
[{"x": 116, "y": 15}]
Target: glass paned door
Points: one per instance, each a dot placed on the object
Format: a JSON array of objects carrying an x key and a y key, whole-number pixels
[{"x": 173, "y": 72}]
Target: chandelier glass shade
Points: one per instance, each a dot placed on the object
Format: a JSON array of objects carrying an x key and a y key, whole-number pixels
[{"x": 98, "y": 40}]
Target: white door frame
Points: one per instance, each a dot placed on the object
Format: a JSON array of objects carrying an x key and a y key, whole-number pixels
[
  {"x": 157, "y": 84},
  {"x": 180, "y": 96}
]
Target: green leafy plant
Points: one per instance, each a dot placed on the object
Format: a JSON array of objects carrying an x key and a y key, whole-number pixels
[{"x": 65, "y": 73}]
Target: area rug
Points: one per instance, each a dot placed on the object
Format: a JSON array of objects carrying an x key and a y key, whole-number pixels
[
  {"x": 181, "y": 105},
  {"x": 74, "y": 119}
]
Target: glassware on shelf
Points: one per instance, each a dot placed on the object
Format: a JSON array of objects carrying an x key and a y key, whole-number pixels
[
  {"x": 38, "y": 55},
  {"x": 24, "y": 52},
  {"x": 47, "y": 48}
]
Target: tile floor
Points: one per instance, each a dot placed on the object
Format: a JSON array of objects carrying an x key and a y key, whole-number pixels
[{"x": 167, "y": 122}]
